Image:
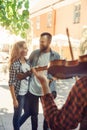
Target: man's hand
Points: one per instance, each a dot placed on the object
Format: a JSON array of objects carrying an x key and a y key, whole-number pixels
[
  {"x": 54, "y": 93},
  {"x": 20, "y": 76},
  {"x": 54, "y": 78}
]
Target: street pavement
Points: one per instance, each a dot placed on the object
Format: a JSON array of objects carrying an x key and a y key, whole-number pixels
[{"x": 6, "y": 106}]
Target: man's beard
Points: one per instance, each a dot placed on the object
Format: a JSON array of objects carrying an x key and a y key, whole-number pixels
[{"x": 43, "y": 49}]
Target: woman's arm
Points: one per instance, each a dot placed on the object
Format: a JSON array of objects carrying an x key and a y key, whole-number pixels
[
  {"x": 12, "y": 79},
  {"x": 15, "y": 102}
]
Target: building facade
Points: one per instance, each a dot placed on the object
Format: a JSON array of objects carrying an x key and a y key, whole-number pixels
[{"x": 55, "y": 17}]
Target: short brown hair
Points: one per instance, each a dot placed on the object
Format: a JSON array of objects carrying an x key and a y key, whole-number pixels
[{"x": 49, "y": 36}]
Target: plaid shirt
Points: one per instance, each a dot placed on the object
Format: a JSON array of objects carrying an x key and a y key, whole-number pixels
[
  {"x": 71, "y": 113},
  {"x": 14, "y": 69}
]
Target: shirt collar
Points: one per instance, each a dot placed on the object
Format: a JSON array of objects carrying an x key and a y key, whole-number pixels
[{"x": 51, "y": 51}]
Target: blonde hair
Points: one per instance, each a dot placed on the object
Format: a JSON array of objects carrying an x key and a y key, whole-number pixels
[{"x": 15, "y": 53}]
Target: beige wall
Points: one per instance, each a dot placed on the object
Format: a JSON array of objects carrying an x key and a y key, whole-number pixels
[
  {"x": 43, "y": 24},
  {"x": 84, "y": 12},
  {"x": 64, "y": 18},
  {"x": 61, "y": 19}
]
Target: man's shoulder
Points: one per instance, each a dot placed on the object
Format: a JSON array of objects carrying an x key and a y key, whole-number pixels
[
  {"x": 36, "y": 51},
  {"x": 55, "y": 53},
  {"x": 34, "y": 54}
]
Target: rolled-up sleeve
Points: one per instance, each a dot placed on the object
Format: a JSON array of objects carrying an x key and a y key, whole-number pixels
[
  {"x": 51, "y": 111},
  {"x": 12, "y": 76},
  {"x": 72, "y": 111}
]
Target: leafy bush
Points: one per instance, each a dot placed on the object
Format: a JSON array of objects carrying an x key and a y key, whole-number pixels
[{"x": 14, "y": 16}]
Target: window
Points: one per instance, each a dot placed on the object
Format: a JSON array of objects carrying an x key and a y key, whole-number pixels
[
  {"x": 77, "y": 9},
  {"x": 38, "y": 23},
  {"x": 49, "y": 19}
]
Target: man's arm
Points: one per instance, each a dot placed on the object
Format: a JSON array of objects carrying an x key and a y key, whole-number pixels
[
  {"x": 53, "y": 79},
  {"x": 33, "y": 56},
  {"x": 30, "y": 59},
  {"x": 70, "y": 114},
  {"x": 21, "y": 76}
]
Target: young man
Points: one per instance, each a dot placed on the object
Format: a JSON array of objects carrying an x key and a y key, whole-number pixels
[
  {"x": 40, "y": 57},
  {"x": 73, "y": 111}
]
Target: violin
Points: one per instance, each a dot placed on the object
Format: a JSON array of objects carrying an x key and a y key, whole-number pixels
[
  {"x": 62, "y": 69},
  {"x": 69, "y": 69}
]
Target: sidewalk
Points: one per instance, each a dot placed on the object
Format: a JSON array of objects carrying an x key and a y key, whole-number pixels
[
  {"x": 6, "y": 110},
  {"x": 6, "y": 107},
  {"x": 6, "y": 123}
]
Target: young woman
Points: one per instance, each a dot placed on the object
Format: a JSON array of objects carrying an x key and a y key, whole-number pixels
[{"x": 18, "y": 88}]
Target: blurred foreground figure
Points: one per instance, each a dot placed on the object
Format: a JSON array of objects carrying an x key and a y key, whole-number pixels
[{"x": 72, "y": 112}]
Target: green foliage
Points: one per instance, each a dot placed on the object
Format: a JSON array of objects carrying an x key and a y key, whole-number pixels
[
  {"x": 83, "y": 44},
  {"x": 14, "y": 16}
]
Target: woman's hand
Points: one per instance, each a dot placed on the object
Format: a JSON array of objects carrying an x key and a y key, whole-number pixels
[{"x": 15, "y": 103}]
